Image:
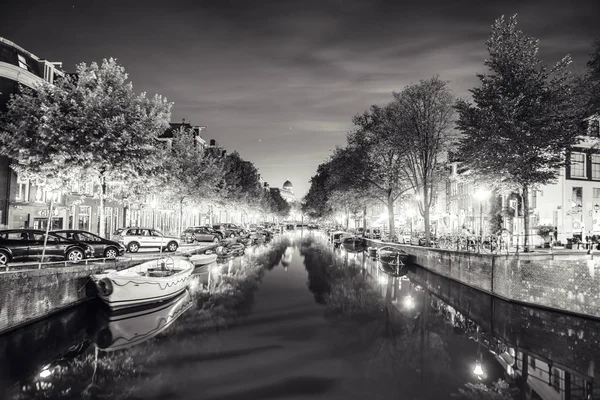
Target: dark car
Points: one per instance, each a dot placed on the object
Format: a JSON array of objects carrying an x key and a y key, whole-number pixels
[
  {"x": 102, "y": 247},
  {"x": 201, "y": 234},
  {"x": 228, "y": 229},
  {"x": 28, "y": 244}
]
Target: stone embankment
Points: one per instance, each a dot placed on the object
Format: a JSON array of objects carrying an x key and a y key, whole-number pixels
[
  {"x": 567, "y": 281},
  {"x": 27, "y": 295}
]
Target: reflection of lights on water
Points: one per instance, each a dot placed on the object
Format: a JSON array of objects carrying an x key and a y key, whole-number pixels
[
  {"x": 409, "y": 302},
  {"x": 382, "y": 279},
  {"x": 46, "y": 372},
  {"x": 478, "y": 370}
]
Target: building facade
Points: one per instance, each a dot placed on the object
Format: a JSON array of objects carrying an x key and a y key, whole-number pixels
[{"x": 572, "y": 203}]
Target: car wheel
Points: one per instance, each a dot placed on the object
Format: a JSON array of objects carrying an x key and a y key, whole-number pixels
[
  {"x": 216, "y": 239},
  {"x": 75, "y": 255},
  {"x": 4, "y": 258},
  {"x": 133, "y": 247},
  {"x": 111, "y": 252},
  {"x": 172, "y": 246}
]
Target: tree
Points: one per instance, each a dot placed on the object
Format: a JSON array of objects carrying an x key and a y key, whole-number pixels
[
  {"x": 524, "y": 119},
  {"x": 424, "y": 114},
  {"x": 241, "y": 185},
  {"x": 191, "y": 175},
  {"x": 373, "y": 160},
  {"x": 316, "y": 201},
  {"x": 93, "y": 125},
  {"x": 590, "y": 84}
]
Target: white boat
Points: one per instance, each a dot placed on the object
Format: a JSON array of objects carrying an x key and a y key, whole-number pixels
[
  {"x": 152, "y": 281},
  {"x": 125, "y": 329},
  {"x": 203, "y": 259}
]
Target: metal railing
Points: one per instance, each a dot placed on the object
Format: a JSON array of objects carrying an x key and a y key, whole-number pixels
[{"x": 502, "y": 242}]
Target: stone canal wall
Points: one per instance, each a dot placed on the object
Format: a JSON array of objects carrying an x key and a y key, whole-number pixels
[
  {"x": 566, "y": 281},
  {"x": 28, "y": 295},
  {"x": 32, "y": 294}
]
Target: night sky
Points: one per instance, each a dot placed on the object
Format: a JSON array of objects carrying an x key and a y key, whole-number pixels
[{"x": 279, "y": 81}]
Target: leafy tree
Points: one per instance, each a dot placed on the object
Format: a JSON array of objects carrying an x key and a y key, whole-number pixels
[
  {"x": 373, "y": 160},
  {"x": 316, "y": 202},
  {"x": 240, "y": 186},
  {"x": 524, "y": 118},
  {"x": 423, "y": 114},
  {"x": 277, "y": 204},
  {"x": 590, "y": 84},
  {"x": 191, "y": 176},
  {"x": 93, "y": 125}
]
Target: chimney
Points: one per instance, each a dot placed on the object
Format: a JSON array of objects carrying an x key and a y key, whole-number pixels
[
  {"x": 213, "y": 142},
  {"x": 183, "y": 120}
]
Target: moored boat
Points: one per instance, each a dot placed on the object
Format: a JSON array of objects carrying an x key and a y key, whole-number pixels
[
  {"x": 136, "y": 325},
  {"x": 337, "y": 237},
  {"x": 394, "y": 270},
  {"x": 392, "y": 255},
  {"x": 203, "y": 259},
  {"x": 353, "y": 241},
  {"x": 149, "y": 282}
]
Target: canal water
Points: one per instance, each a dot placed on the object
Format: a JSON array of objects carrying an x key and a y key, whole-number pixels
[{"x": 322, "y": 323}]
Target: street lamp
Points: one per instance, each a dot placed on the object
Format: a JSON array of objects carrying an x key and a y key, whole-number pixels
[
  {"x": 481, "y": 195},
  {"x": 52, "y": 198},
  {"x": 410, "y": 213}
]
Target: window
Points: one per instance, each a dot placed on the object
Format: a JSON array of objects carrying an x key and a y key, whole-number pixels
[
  {"x": 577, "y": 199},
  {"x": 532, "y": 362},
  {"x": 23, "y": 62},
  {"x": 556, "y": 379},
  {"x": 22, "y": 189},
  {"x": 594, "y": 128},
  {"x": 15, "y": 236},
  {"x": 578, "y": 165},
  {"x": 84, "y": 218},
  {"x": 596, "y": 166}
]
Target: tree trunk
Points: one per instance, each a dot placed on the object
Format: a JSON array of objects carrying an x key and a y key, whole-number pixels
[
  {"x": 180, "y": 227},
  {"x": 347, "y": 218},
  {"x": 101, "y": 217},
  {"x": 364, "y": 218},
  {"x": 526, "y": 217},
  {"x": 426, "y": 205},
  {"x": 390, "y": 207}
]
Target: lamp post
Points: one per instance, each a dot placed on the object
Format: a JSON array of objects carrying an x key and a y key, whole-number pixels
[
  {"x": 481, "y": 195},
  {"x": 410, "y": 213},
  {"x": 153, "y": 206},
  {"x": 52, "y": 197}
]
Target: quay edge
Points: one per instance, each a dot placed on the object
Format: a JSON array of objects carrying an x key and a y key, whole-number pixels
[
  {"x": 29, "y": 295},
  {"x": 566, "y": 281}
]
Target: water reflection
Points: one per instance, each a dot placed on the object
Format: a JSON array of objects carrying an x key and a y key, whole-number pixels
[
  {"x": 117, "y": 331},
  {"x": 426, "y": 338}
]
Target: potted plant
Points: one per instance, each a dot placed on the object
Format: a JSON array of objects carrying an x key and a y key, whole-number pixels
[{"x": 546, "y": 231}]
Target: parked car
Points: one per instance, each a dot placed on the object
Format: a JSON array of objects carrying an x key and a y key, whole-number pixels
[
  {"x": 201, "y": 234},
  {"x": 28, "y": 244},
  {"x": 228, "y": 229},
  {"x": 136, "y": 238},
  {"x": 372, "y": 233},
  {"x": 102, "y": 247}
]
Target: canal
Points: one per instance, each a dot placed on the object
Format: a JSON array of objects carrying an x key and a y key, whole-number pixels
[{"x": 312, "y": 321}]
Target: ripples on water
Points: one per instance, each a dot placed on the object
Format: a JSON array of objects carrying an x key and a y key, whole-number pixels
[{"x": 419, "y": 335}]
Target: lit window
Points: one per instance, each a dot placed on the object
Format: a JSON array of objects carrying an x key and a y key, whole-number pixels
[
  {"x": 23, "y": 62},
  {"x": 578, "y": 165},
  {"x": 596, "y": 166},
  {"x": 22, "y": 189}
]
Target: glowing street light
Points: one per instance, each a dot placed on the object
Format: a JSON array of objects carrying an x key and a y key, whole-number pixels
[
  {"x": 478, "y": 371},
  {"x": 409, "y": 302},
  {"x": 481, "y": 194}
]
